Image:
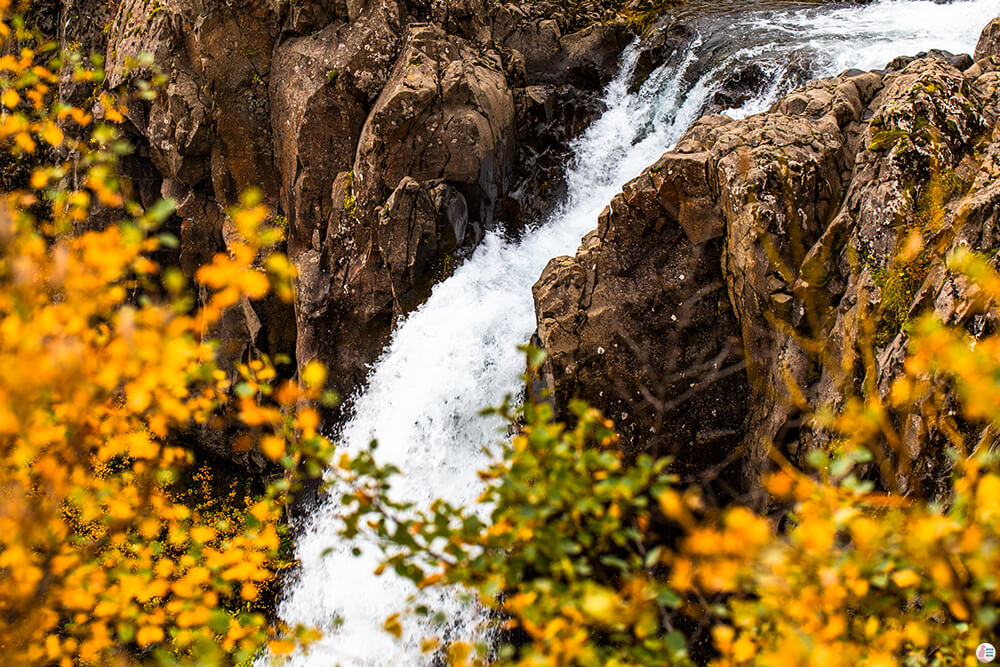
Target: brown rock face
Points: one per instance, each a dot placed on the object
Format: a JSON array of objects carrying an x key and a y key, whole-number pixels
[
  {"x": 697, "y": 302},
  {"x": 639, "y": 319},
  {"x": 387, "y": 134},
  {"x": 989, "y": 41},
  {"x": 358, "y": 276},
  {"x": 444, "y": 113},
  {"x": 321, "y": 89},
  {"x": 436, "y": 136}
]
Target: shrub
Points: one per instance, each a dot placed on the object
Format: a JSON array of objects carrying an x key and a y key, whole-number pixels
[
  {"x": 585, "y": 561},
  {"x": 105, "y": 558}
]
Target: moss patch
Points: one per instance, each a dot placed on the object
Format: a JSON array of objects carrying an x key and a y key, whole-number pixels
[
  {"x": 900, "y": 281},
  {"x": 885, "y": 139},
  {"x": 350, "y": 202}
]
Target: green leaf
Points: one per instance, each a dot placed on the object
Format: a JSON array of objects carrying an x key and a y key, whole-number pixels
[
  {"x": 676, "y": 643},
  {"x": 614, "y": 561},
  {"x": 168, "y": 241},
  {"x": 126, "y": 631},
  {"x": 218, "y": 620},
  {"x": 243, "y": 390},
  {"x": 817, "y": 458},
  {"x": 669, "y": 599}
]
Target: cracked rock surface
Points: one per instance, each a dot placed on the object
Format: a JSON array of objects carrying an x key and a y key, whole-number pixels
[
  {"x": 386, "y": 135},
  {"x": 696, "y": 304}
]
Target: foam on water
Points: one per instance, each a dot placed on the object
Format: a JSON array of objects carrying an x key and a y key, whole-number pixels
[{"x": 458, "y": 352}]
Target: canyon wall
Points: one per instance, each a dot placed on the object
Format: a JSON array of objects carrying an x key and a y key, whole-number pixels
[
  {"x": 386, "y": 137},
  {"x": 739, "y": 281}
]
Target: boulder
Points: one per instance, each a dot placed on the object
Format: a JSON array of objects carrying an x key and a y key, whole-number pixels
[
  {"x": 322, "y": 88},
  {"x": 658, "y": 46},
  {"x": 357, "y": 278},
  {"x": 586, "y": 58},
  {"x": 989, "y": 41},
  {"x": 639, "y": 322},
  {"x": 444, "y": 113},
  {"x": 787, "y": 228}
]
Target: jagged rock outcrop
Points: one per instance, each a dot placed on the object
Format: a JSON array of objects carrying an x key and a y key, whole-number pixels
[
  {"x": 321, "y": 89},
  {"x": 989, "y": 42},
  {"x": 444, "y": 113},
  {"x": 690, "y": 313},
  {"x": 609, "y": 333},
  {"x": 386, "y": 135}
]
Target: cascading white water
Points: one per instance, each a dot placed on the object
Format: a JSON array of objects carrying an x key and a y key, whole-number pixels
[{"x": 458, "y": 352}]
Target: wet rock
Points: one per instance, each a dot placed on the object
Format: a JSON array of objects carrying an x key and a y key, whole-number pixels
[
  {"x": 786, "y": 228},
  {"x": 550, "y": 117},
  {"x": 989, "y": 42},
  {"x": 659, "y": 45},
  {"x": 738, "y": 87},
  {"x": 358, "y": 277},
  {"x": 960, "y": 61},
  {"x": 419, "y": 225}
]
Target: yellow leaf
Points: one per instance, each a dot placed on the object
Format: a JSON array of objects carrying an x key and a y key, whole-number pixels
[
  {"x": 601, "y": 604},
  {"x": 149, "y": 634},
  {"x": 308, "y": 420},
  {"x": 744, "y": 649},
  {"x": 431, "y": 580},
  {"x": 393, "y": 626},
  {"x": 670, "y": 504},
  {"x": 52, "y": 134},
  {"x": 780, "y": 484},
  {"x": 723, "y": 636},
  {"x": 10, "y": 98},
  {"x": 272, "y": 446},
  {"x": 905, "y": 578},
  {"x": 958, "y": 610},
  {"x": 25, "y": 141},
  {"x": 281, "y": 646},
  {"x": 314, "y": 374},
  {"x": 916, "y": 634},
  {"x": 248, "y": 591},
  {"x": 140, "y": 446},
  {"x": 880, "y": 660},
  {"x": 458, "y": 653},
  {"x": 202, "y": 534},
  {"x": 988, "y": 496},
  {"x": 242, "y": 570},
  {"x": 863, "y": 530},
  {"x": 816, "y": 535},
  {"x": 39, "y": 179}
]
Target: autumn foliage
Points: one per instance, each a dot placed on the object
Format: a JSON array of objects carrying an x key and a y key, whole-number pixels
[
  {"x": 582, "y": 560},
  {"x": 119, "y": 546},
  {"x": 108, "y": 552}
]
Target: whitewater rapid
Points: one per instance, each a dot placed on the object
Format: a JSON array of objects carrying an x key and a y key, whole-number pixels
[{"x": 458, "y": 352}]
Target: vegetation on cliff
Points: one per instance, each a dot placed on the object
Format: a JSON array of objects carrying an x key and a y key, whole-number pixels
[
  {"x": 118, "y": 542},
  {"x": 587, "y": 561},
  {"x": 123, "y": 541}
]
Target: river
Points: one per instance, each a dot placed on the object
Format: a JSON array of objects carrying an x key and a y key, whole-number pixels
[{"x": 458, "y": 352}]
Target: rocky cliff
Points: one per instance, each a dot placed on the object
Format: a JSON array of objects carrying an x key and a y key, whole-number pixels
[
  {"x": 387, "y": 136},
  {"x": 744, "y": 275}
]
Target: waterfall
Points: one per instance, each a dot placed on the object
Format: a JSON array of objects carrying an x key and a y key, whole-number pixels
[{"x": 458, "y": 352}]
